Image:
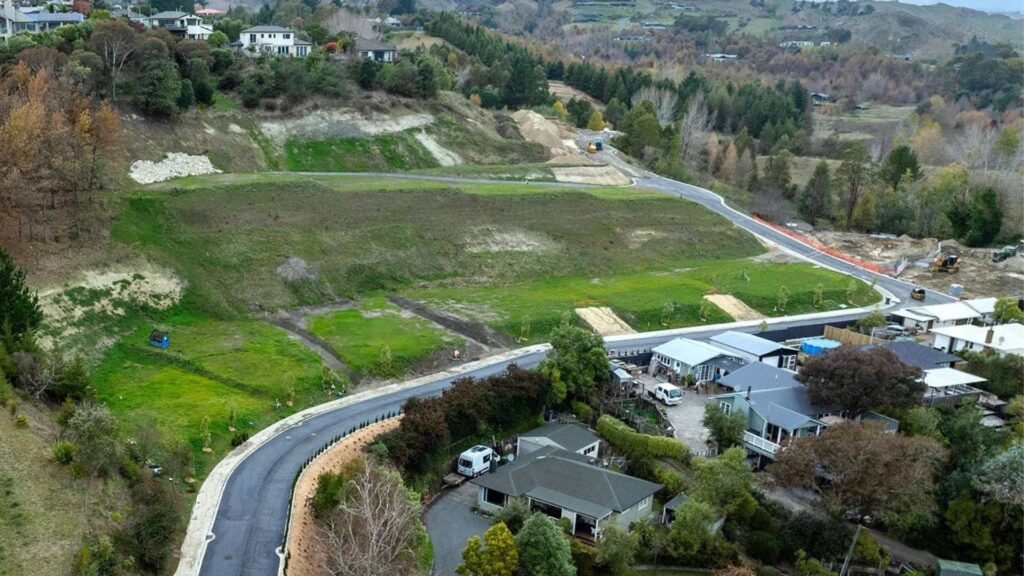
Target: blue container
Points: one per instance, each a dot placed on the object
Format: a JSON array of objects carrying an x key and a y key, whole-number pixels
[
  {"x": 159, "y": 339},
  {"x": 815, "y": 346}
]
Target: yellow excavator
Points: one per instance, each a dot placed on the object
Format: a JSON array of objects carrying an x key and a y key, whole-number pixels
[{"x": 948, "y": 263}]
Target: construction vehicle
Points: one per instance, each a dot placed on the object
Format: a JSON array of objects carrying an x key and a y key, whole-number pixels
[
  {"x": 917, "y": 293},
  {"x": 599, "y": 144},
  {"x": 591, "y": 148},
  {"x": 1004, "y": 253},
  {"x": 948, "y": 263}
]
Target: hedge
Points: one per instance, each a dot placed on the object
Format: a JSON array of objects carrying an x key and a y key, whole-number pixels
[{"x": 635, "y": 444}]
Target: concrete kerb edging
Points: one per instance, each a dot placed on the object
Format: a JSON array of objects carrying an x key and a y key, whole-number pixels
[{"x": 204, "y": 512}]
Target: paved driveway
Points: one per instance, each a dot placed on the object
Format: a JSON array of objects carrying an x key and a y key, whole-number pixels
[{"x": 450, "y": 522}]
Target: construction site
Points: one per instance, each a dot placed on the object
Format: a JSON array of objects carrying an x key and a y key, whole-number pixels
[{"x": 935, "y": 264}]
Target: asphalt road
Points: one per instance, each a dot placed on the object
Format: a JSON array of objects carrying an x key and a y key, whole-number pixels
[{"x": 252, "y": 513}]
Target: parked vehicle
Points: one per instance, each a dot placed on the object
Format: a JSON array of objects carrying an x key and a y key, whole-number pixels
[
  {"x": 599, "y": 144},
  {"x": 917, "y": 293},
  {"x": 667, "y": 394},
  {"x": 476, "y": 461},
  {"x": 1004, "y": 253}
]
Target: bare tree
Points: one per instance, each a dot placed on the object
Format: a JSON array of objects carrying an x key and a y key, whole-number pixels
[
  {"x": 664, "y": 102},
  {"x": 975, "y": 146},
  {"x": 345, "y": 20},
  {"x": 693, "y": 131},
  {"x": 114, "y": 41},
  {"x": 373, "y": 530}
]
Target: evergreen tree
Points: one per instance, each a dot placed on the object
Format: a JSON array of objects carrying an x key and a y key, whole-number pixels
[
  {"x": 543, "y": 548},
  {"x": 815, "y": 200},
  {"x": 901, "y": 161},
  {"x": 19, "y": 308}
]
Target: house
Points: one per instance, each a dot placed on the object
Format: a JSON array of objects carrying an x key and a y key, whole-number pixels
[
  {"x": 926, "y": 318},
  {"x": 129, "y": 15},
  {"x": 914, "y": 354},
  {"x": 14, "y": 20},
  {"x": 273, "y": 40},
  {"x": 796, "y": 44},
  {"x": 1002, "y": 339},
  {"x": 374, "y": 50},
  {"x": 950, "y": 386},
  {"x": 568, "y": 437},
  {"x": 720, "y": 57},
  {"x": 209, "y": 12},
  {"x": 776, "y": 407},
  {"x": 564, "y": 484},
  {"x": 668, "y": 513},
  {"x": 188, "y": 26},
  {"x": 819, "y": 98},
  {"x": 984, "y": 306},
  {"x": 682, "y": 358},
  {"x": 756, "y": 349}
]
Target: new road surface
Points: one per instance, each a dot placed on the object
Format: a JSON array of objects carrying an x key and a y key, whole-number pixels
[{"x": 239, "y": 520}]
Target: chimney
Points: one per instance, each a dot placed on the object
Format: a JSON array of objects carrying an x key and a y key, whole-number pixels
[
  {"x": 989, "y": 335},
  {"x": 748, "y": 392}
]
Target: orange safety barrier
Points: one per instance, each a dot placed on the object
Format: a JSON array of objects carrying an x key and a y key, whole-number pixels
[{"x": 813, "y": 243}]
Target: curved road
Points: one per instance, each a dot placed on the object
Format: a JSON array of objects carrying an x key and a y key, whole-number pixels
[{"x": 252, "y": 511}]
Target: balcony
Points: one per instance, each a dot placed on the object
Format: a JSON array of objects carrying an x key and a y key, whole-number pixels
[{"x": 766, "y": 446}]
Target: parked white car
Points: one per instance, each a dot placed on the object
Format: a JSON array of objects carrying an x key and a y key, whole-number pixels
[{"x": 667, "y": 394}]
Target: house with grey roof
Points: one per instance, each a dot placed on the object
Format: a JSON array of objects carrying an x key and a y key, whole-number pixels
[
  {"x": 276, "y": 40},
  {"x": 776, "y": 408},
  {"x": 683, "y": 357},
  {"x": 914, "y": 354},
  {"x": 371, "y": 49},
  {"x": 569, "y": 437},
  {"x": 184, "y": 24},
  {"x": 14, "y": 20},
  {"x": 564, "y": 484},
  {"x": 756, "y": 349}
]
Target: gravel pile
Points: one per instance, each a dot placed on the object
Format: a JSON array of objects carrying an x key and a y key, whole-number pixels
[
  {"x": 175, "y": 165},
  {"x": 295, "y": 269}
]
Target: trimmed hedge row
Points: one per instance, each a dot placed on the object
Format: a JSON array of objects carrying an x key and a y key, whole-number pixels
[{"x": 635, "y": 444}]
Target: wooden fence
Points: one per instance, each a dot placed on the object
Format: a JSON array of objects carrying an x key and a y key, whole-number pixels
[{"x": 847, "y": 337}]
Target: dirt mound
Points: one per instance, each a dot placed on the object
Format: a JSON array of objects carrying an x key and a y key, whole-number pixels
[
  {"x": 734, "y": 307},
  {"x": 604, "y": 321},
  {"x": 539, "y": 129},
  {"x": 342, "y": 123},
  {"x": 175, "y": 165},
  {"x": 600, "y": 175},
  {"x": 508, "y": 240},
  {"x": 444, "y": 156}
]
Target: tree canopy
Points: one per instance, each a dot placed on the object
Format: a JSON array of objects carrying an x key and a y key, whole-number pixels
[
  {"x": 576, "y": 363},
  {"x": 859, "y": 380}
]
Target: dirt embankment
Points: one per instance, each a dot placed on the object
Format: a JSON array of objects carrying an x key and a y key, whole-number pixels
[
  {"x": 477, "y": 331},
  {"x": 305, "y": 557}
]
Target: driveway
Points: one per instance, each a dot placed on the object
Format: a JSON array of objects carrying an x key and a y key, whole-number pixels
[
  {"x": 686, "y": 417},
  {"x": 450, "y": 522}
]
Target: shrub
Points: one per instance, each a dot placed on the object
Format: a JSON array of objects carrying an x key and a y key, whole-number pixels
[
  {"x": 584, "y": 558},
  {"x": 63, "y": 452},
  {"x": 21, "y": 421},
  {"x": 239, "y": 438},
  {"x": 768, "y": 571},
  {"x": 763, "y": 546},
  {"x": 583, "y": 412},
  {"x": 513, "y": 516},
  {"x": 635, "y": 444}
]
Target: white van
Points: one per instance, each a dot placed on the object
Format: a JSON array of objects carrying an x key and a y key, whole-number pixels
[
  {"x": 476, "y": 461},
  {"x": 667, "y": 394}
]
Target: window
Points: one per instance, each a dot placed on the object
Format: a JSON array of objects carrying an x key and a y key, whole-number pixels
[
  {"x": 252, "y": 38},
  {"x": 644, "y": 503},
  {"x": 789, "y": 362},
  {"x": 494, "y": 497},
  {"x": 302, "y": 50},
  {"x": 590, "y": 450},
  {"x": 726, "y": 407},
  {"x": 286, "y": 36},
  {"x": 487, "y": 458},
  {"x": 282, "y": 49}
]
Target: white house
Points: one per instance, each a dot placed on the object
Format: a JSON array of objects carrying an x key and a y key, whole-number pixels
[
  {"x": 1002, "y": 339},
  {"x": 927, "y": 318},
  {"x": 373, "y": 50},
  {"x": 684, "y": 357},
  {"x": 15, "y": 21},
  {"x": 189, "y": 26},
  {"x": 984, "y": 306},
  {"x": 273, "y": 40}
]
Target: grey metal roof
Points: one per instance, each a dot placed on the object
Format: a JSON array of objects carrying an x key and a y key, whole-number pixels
[
  {"x": 783, "y": 417},
  {"x": 913, "y": 354},
  {"x": 727, "y": 363},
  {"x": 677, "y": 501},
  {"x": 271, "y": 29},
  {"x": 554, "y": 474},
  {"x": 759, "y": 376},
  {"x": 748, "y": 343},
  {"x": 169, "y": 15},
  {"x": 689, "y": 352},
  {"x": 57, "y": 17},
  {"x": 367, "y": 45},
  {"x": 567, "y": 436}
]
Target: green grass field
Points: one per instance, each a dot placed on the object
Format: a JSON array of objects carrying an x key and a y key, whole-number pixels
[
  {"x": 361, "y": 336},
  {"x": 384, "y": 153}
]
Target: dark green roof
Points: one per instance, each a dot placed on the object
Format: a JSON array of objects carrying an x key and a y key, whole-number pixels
[{"x": 568, "y": 480}]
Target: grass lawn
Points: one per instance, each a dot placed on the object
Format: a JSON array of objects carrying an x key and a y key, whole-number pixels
[
  {"x": 532, "y": 309},
  {"x": 211, "y": 368},
  {"x": 360, "y": 337},
  {"x": 384, "y": 153}
]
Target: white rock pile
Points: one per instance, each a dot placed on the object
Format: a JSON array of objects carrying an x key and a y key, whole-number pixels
[{"x": 175, "y": 165}]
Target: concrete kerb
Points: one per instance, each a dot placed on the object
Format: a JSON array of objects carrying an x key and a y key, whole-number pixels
[{"x": 204, "y": 512}]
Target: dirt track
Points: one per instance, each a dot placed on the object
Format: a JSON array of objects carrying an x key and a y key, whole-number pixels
[
  {"x": 604, "y": 320},
  {"x": 734, "y": 307}
]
